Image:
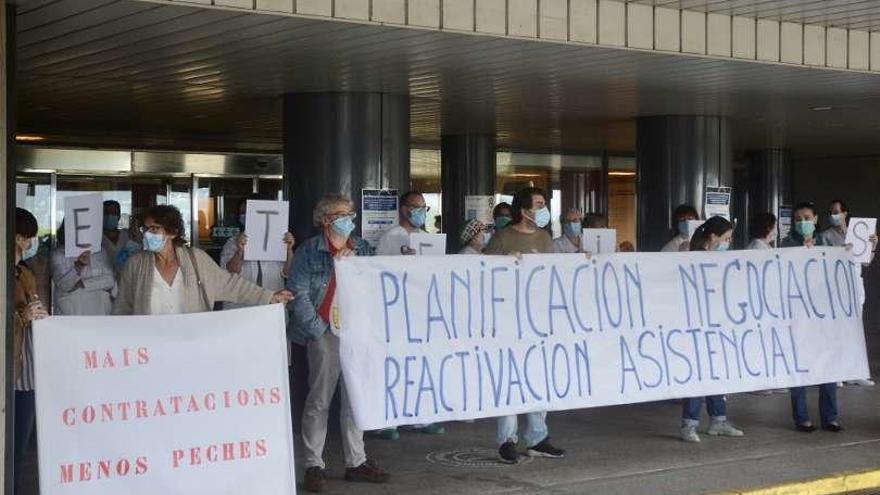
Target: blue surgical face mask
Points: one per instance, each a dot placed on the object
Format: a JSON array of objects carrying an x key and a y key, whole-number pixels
[
  {"x": 111, "y": 222},
  {"x": 153, "y": 242},
  {"x": 573, "y": 228},
  {"x": 343, "y": 226},
  {"x": 835, "y": 219},
  {"x": 418, "y": 217},
  {"x": 723, "y": 246},
  {"x": 542, "y": 217},
  {"x": 501, "y": 222},
  {"x": 805, "y": 228},
  {"x": 241, "y": 219},
  {"x": 682, "y": 227},
  {"x": 31, "y": 251}
]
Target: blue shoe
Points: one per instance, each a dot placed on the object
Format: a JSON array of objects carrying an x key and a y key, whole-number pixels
[{"x": 433, "y": 429}]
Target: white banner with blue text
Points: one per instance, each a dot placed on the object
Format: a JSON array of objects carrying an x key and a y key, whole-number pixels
[{"x": 436, "y": 338}]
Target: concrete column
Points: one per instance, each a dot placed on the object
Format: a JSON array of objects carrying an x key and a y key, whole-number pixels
[
  {"x": 677, "y": 157},
  {"x": 769, "y": 173},
  {"x": 342, "y": 142},
  {"x": 467, "y": 168},
  {"x": 7, "y": 198}
]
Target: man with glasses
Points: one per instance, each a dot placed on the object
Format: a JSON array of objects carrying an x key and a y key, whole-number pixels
[
  {"x": 413, "y": 215},
  {"x": 315, "y": 324}
]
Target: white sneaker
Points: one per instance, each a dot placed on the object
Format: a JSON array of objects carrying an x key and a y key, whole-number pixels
[
  {"x": 723, "y": 429},
  {"x": 863, "y": 382},
  {"x": 689, "y": 434}
]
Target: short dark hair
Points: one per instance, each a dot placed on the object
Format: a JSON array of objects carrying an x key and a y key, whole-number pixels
[
  {"x": 404, "y": 198},
  {"x": 842, "y": 204},
  {"x": 805, "y": 205},
  {"x": 112, "y": 202},
  {"x": 522, "y": 200},
  {"x": 170, "y": 219},
  {"x": 499, "y": 207},
  {"x": 714, "y": 225},
  {"x": 761, "y": 225},
  {"x": 25, "y": 223},
  {"x": 595, "y": 221},
  {"x": 682, "y": 211}
]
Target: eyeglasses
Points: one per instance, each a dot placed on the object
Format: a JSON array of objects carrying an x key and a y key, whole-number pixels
[
  {"x": 427, "y": 208},
  {"x": 153, "y": 229}
]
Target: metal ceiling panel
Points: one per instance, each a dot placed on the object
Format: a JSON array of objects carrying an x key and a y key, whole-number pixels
[{"x": 179, "y": 76}]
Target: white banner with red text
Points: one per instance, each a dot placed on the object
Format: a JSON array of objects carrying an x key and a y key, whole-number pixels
[
  {"x": 176, "y": 404},
  {"x": 428, "y": 339}
]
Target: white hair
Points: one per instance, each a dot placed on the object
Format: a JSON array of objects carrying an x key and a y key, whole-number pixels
[{"x": 326, "y": 205}]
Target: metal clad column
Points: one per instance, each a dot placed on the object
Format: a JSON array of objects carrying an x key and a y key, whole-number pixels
[
  {"x": 342, "y": 142},
  {"x": 769, "y": 180},
  {"x": 677, "y": 157},
  {"x": 7, "y": 198},
  {"x": 467, "y": 168}
]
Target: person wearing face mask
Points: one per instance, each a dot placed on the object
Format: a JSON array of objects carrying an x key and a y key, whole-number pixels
[
  {"x": 838, "y": 215},
  {"x": 572, "y": 226},
  {"x": 502, "y": 215},
  {"x": 473, "y": 237},
  {"x": 27, "y": 308},
  {"x": 169, "y": 278},
  {"x": 713, "y": 235},
  {"x": 680, "y": 218},
  {"x": 314, "y": 323},
  {"x": 803, "y": 234},
  {"x": 267, "y": 274},
  {"x": 525, "y": 235},
  {"x": 84, "y": 285},
  {"x": 115, "y": 240},
  {"x": 762, "y": 231},
  {"x": 413, "y": 215}
]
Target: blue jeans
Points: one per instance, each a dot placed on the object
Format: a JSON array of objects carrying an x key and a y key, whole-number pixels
[
  {"x": 716, "y": 406},
  {"x": 535, "y": 433},
  {"x": 827, "y": 404},
  {"x": 25, "y": 417}
]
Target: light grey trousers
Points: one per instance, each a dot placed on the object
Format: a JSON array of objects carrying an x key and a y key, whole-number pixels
[{"x": 325, "y": 373}]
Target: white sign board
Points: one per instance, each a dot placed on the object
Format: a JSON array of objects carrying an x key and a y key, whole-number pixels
[
  {"x": 466, "y": 337},
  {"x": 479, "y": 207},
  {"x": 717, "y": 202},
  {"x": 599, "y": 241},
  {"x": 857, "y": 233},
  {"x": 266, "y": 222},
  {"x": 379, "y": 213},
  {"x": 83, "y": 224},
  {"x": 178, "y": 404},
  {"x": 428, "y": 243}
]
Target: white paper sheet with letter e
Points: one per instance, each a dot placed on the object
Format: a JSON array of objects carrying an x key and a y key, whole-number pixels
[
  {"x": 599, "y": 241},
  {"x": 83, "y": 224},
  {"x": 265, "y": 225},
  {"x": 857, "y": 233},
  {"x": 173, "y": 405},
  {"x": 428, "y": 243}
]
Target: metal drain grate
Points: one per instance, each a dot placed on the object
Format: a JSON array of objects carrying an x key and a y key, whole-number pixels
[{"x": 472, "y": 458}]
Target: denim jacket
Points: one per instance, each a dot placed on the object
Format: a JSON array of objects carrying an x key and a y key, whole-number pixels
[{"x": 310, "y": 277}]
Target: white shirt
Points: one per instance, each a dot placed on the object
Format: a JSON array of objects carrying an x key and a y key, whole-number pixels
[
  {"x": 166, "y": 299},
  {"x": 674, "y": 245},
  {"x": 469, "y": 250},
  {"x": 564, "y": 245},
  {"x": 270, "y": 272},
  {"x": 759, "y": 244},
  {"x": 392, "y": 241},
  {"x": 82, "y": 294}
]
